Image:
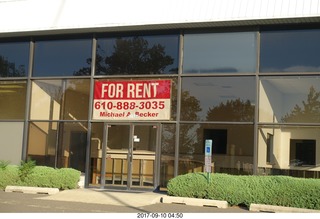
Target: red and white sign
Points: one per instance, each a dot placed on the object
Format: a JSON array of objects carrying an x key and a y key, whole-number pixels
[{"x": 132, "y": 100}]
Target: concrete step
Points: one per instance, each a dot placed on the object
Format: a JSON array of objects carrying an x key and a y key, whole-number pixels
[
  {"x": 224, "y": 204},
  {"x": 194, "y": 201},
  {"x": 32, "y": 190},
  {"x": 279, "y": 209}
]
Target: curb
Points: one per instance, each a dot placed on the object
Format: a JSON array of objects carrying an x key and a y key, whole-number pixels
[
  {"x": 224, "y": 204},
  {"x": 32, "y": 190},
  {"x": 194, "y": 201},
  {"x": 279, "y": 209}
]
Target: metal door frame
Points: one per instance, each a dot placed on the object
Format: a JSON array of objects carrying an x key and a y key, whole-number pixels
[{"x": 156, "y": 169}]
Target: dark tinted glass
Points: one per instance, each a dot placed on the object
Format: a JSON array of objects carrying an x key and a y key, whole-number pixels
[
  {"x": 62, "y": 58},
  {"x": 218, "y": 99},
  {"x": 290, "y": 51},
  {"x": 137, "y": 55},
  {"x": 219, "y": 52},
  {"x": 14, "y": 59}
]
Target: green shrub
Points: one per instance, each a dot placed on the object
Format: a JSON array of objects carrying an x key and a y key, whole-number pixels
[
  {"x": 196, "y": 185},
  {"x": 4, "y": 164},
  {"x": 26, "y": 169},
  {"x": 68, "y": 178},
  {"x": 9, "y": 176},
  {"x": 43, "y": 176},
  {"x": 222, "y": 188},
  {"x": 245, "y": 190},
  {"x": 27, "y": 174}
]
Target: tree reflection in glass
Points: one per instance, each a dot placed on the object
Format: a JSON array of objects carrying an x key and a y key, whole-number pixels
[
  {"x": 233, "y": 110},
  {"x": 9, "y": 69},
  {"x": 229, "y": 99},
  {"x": 308, "y": 112},
  {"x": 134, "y": 56}
]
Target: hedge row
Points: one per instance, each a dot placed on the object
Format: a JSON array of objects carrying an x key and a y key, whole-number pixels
[
  {"x": 39, "y": 176},
  {"x": 244, "y": 190}
]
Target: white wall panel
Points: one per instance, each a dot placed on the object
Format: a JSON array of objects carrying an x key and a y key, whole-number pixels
[{"x": 11, "y": 135}]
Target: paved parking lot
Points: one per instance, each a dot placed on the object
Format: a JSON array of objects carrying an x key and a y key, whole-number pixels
[{"x": 13, "y": 202}]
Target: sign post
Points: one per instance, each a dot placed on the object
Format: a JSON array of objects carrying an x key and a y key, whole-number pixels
[{"x": 207, "y": 158}]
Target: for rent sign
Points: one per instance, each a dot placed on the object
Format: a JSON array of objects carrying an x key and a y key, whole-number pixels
[{"x": 132, "y": 100}]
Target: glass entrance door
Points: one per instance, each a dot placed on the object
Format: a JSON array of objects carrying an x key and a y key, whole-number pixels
[{"x": 130, "y": 155}]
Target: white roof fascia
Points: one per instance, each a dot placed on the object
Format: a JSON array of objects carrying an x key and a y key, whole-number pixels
[{"x": 20, "y": 16}]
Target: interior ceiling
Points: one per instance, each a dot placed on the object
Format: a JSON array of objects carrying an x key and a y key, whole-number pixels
[{"x": 292, "y": 86}]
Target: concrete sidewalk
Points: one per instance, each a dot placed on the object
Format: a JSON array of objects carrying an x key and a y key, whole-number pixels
[
  {"x": 134, "y": 198},
  {"x": 101, "y": 196}
]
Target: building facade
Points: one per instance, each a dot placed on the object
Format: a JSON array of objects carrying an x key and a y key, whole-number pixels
[{"x": 131, "y": 100}]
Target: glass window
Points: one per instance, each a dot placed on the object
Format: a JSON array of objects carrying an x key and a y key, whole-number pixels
[
  {"x": 302, "y": 152},
  {"x": 58, "y": 144},
  {"x": 60, "y": 99},
  {"x": 42, "y": 142},
  {"x": 14, "y": 59},
  {"x": 76, "y": 99},
  {"x": 12, "y": 99},
  {"x": 72, "y": 145},
  {"x": 232, "y": 148},
  {"x": 269, "y": 148},
  {"x": 137, "y": 55},
  {"x": 219, "y": 52},
  {"x": 295, "y": 151},
  {"x": 96, "y": 141},
  {"x": 11, "y": 135},
  {"x": 168, "y": 138},
  {"x": 289, "y": 99},
  {"x": 62, "y": 58},
  {"x": 290, "y": 51},
  {"x": 218, "y": 99}
]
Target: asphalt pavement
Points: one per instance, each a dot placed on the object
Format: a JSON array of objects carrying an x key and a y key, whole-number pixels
[{"x": 138, "y": 204}]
